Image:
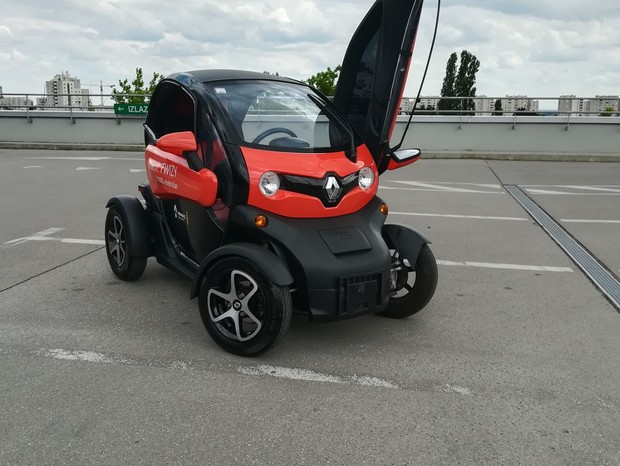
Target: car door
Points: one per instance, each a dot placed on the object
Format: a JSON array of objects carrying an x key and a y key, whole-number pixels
[{"x": 374, "y": 72}]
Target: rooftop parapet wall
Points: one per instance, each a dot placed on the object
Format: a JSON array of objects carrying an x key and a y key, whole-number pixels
[{"x": 544, "y": 138}]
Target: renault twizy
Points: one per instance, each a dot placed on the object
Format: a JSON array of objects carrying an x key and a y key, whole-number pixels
[{"x": 263, "y": 191}]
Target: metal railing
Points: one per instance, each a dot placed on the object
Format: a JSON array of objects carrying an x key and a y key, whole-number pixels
[{"x": 84, "y": 103}]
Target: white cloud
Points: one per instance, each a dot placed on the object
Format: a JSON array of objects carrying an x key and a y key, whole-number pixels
[{"x": 533, "y": 47}]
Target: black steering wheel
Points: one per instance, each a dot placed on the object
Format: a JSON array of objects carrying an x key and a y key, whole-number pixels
[{"x": 270, "y": 131}]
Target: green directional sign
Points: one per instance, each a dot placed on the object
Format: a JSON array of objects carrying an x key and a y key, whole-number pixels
[{"x": 131, "y": 109}]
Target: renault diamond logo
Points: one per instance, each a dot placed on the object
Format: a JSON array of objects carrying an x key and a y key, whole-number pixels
[{"x": 332, "y": 188}]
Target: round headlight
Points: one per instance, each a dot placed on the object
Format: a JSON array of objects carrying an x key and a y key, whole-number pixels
[
  {"x": 366, "y": 178},
  {"x": 269, "y": 183}
]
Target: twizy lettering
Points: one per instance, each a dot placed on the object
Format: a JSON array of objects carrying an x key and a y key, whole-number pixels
[{"x": 163, "y": 168}]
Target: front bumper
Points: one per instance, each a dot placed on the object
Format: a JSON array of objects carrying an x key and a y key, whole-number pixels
[{"x": 341, "y": 265}]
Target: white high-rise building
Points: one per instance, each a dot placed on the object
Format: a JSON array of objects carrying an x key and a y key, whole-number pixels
[
  {"x": 512, "y": 103},
  {"x": 484, "y": 105},
  {"x": 429, "y": 102},
  {"x": 65, "y": 91},
  {"x": 600, "y": 103},
  {"x": 14, "y": 102},
  {"x": 406, "y": 104},
  {"x": 570, "y": 103}
]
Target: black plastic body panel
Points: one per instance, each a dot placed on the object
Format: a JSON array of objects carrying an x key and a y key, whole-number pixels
[
  {"x": 138, "y": 235},
  {"x": 271, "y": 265},
  {"x": 322, "y": 277},
  {"x": 165, "y": 248},
  {"x": 407, "y": 241}
]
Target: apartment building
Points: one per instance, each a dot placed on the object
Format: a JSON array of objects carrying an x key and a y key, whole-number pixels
[
  {"x": 63, "y": 90},
  {"x": 571, "y": 104},
  {"x": 512, "y": 103}
]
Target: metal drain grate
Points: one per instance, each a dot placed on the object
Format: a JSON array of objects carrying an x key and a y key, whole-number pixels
[{"x": 600, "y": 276}]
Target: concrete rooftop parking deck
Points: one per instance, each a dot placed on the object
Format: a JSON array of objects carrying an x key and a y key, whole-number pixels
[{"x": 516, "y": 360}]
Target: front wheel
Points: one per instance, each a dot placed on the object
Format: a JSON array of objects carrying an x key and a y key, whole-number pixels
[
  {"x": 124, "y": 265},
  {"x": 414, "y": 286},
  {"x": 242, "y": 309}
]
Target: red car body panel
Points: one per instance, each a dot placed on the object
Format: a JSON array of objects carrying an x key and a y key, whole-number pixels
[
  {"x": 171, "y": 178},
  {"x": 313, "y": 165}
]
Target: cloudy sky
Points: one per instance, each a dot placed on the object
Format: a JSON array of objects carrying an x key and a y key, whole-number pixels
[{"x": 533, "y": 47}]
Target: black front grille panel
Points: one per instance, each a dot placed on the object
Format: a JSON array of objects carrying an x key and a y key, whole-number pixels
[
  {"x": 360, "y": 293},
  {"x": 315, "y": 187}
]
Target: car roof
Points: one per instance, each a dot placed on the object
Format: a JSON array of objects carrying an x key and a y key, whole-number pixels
[{"x": 233, "y": 75}]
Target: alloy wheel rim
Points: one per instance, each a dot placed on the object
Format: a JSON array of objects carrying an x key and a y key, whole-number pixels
[
  {"x": 117, "y": 244},
  {"x": 237, "y": 312},
  {"x": 405, "y": 276}
]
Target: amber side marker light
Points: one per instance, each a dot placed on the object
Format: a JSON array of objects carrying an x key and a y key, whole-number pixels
[
  {"x": 384, "y": 209},
  {"x": 261, "y": 221}
]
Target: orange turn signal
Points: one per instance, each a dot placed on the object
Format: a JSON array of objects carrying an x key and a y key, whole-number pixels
[
  {"x": 261, "y": 221},
  {"x": 384, "y": 209}
]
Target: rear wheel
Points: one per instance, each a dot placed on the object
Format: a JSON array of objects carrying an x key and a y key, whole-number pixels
[
  {"x": 414, "y": 284},
  {"x": 124, "y": 265},
  {"x": 242, "y": 309}
]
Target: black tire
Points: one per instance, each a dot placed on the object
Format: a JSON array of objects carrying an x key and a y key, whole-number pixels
[
  {"x": 412, "y": 298},
  {"x": 124, "y": 265},
  {"x": 243, "y": 311}
]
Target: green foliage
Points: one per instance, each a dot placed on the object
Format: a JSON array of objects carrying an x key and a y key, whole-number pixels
[
  {"x": 498, "y": 108},
  {"x": 448, "y": 89},
  {"x": 136, "y": 87},
  {"x": 608, "y": 111},
  {"x": 461, "y": 84},
  {"x": 325, "y": 81}
]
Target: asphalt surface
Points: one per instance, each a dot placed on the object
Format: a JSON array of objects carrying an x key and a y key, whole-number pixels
[{"x": 515, "y": 361}]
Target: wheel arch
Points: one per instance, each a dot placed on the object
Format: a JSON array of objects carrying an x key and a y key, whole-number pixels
[
  {"x": 273, "y": 267},
  {"x": 407, "y": 241},
  {"x": 138, "y": 235}
]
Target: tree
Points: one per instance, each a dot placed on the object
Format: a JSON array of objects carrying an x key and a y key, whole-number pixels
[
  {"x": 608, "y": 111},
  {"x": 136, "y": 87},
  {"x": 498, "y": 108},
  {"x": 325, "y": 81},
  {"x": 466, "y": 80},
  {"x": 447, "y": 89},
  {"x": 461, "y": 84}
]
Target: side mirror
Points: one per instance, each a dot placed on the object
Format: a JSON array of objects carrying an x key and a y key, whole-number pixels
[
  {"x": 403, "y": 157},
  {"x": 178, "y": 143}
]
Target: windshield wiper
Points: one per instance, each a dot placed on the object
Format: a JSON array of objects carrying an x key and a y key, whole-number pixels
[{"x": 344, "y": 124}]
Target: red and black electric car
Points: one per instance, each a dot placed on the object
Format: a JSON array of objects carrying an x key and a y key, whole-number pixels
[{"x": 264, "y": 192}]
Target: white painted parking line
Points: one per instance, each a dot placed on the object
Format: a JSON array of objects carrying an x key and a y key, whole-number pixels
[
  {"x": 473, "y": 217},
  {"x": 490, "y": 265},
  {"x": 546, "y": 191},
  {"x": 456, "y": 389},
  {"x": 78, "y": 169},
  {"x": 293, "y": 373},
  {"x": 87, "y": 158},
  {"x": 137, "y": 170},
  {"x": 40, "y": 234},
  {"x": 32, "y": 166},
  {"x": 581, "y": 220},
  {"x": 572, "y": 190},
  {"x": 429, "y": 190},
  {"x": 438, "y": 187},
  {"x": 616, "y": 186},
  {"x": 593, "y": 188},
  {"x": 564, "y": 193},
  {"x": 44, "y": 236},
  {"x": 457, "y": 183},
  {"x": 290, "y": 373},
  {"x": 96, "y": 242}
]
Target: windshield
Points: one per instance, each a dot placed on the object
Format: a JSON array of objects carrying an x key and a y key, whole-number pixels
[{"x": 281, "y": 115}]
